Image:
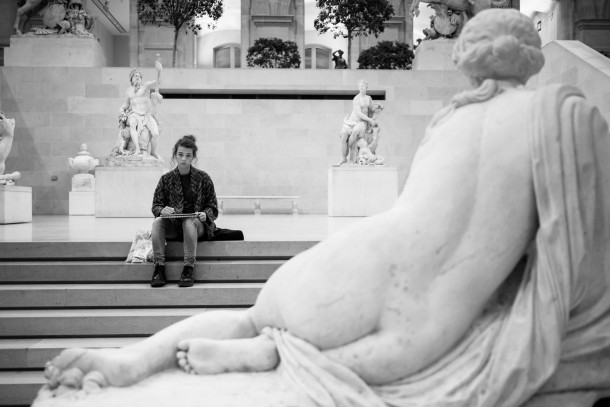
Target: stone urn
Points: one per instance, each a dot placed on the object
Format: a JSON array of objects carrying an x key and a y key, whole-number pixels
[{"x": 83, "y": 163}]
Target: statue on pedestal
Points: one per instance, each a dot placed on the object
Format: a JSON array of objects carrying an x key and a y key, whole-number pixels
[
  {"x": 488, "y": 274},
  {"x": 338, "y": 59},
  {"x": 361, "y": 123},
  {"x": 138, "y": 125},
  {"x": 7, "y": 131}
]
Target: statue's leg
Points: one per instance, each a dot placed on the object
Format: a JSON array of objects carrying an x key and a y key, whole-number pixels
[
  {"x": 128, "y": 365},
  {"x": 154, "y": 137},
  {"x": 29, "y": 5},
  {"x": 133, "y": 131},
  {"x": 344, "y": 149},
  {"x": 211, "y": 356}
]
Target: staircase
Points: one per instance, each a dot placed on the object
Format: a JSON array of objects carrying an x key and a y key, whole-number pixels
[{"x": 57, "y": 295}]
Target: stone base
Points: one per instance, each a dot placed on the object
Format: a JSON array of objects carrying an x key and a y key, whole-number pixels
[
  {"x": 15, "y": 204},
  {"x": 434, "y": 55},
  {"x": 54, "y": 50},
  {"x": 125, "y": 192},
  {"x": 82, "y": 203},
  {"x": 361, "y": 190}
]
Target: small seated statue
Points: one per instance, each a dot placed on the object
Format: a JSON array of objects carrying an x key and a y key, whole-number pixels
[
  {"x": 489, "y": 272},
  {"x": 355, "y": 125}
]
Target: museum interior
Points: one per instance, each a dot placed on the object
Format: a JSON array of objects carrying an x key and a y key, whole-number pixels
[{"x": 75, "y": 198}]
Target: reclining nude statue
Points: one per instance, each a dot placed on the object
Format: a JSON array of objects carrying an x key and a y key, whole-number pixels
[{"x": 489, "y": 274}]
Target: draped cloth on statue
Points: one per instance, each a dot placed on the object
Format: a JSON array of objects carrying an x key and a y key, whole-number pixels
[{"x": 554, "y": 309}]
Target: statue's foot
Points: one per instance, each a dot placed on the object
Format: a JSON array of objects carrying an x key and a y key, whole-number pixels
[
  {"x": 208, "y": 356},
  {"x": 340, "y": 163},
  {"x": 89, "y": 370}
]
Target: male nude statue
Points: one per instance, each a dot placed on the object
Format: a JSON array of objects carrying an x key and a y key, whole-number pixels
[
  {"x": 355, "y": 125},
  {"x": 139, "y": 110},
  {"x": 394, "y": 292}
]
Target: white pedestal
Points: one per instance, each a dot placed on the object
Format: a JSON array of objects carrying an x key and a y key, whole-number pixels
[
  {"x": 434, "y": 55},
  {"x": 125, "y": 192},
  {"x": 15, "y": 204},
  {"x": 54, "y": 50},
  {"x": 82, "y": 203},
  {"x": 361, "y": 190}
]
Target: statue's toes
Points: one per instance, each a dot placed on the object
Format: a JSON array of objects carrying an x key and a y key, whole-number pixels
[{"x": 94, "y": 382}]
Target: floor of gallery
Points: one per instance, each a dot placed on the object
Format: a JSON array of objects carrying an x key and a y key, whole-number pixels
[{"x": 266, "y": 227}]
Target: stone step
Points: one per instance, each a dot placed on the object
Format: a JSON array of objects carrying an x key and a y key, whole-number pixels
[
  {"x": 19, "y": 388},
  {"x": 235, "y": 250},
  {"x": 118, "y": 271},
  {"x": 24, "y": 296},
  {"x": 90, "y": 322},
  {"x": 19, "y": 354}
]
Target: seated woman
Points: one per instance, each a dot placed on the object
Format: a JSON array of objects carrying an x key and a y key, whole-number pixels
[{"x": 182, "y": 191}]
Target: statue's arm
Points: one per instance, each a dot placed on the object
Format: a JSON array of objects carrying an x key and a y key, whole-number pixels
[
  {"x": 125, "y": 105},
  {"x": 150, "y": 85}
]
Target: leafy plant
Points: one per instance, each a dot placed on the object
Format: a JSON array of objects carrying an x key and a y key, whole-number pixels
[
  {"x": 387, "y": 55},
  {"x": 273, "y": 53},
  {"x": 179, "y": 14},
  {"x": 353, "y": 18}
]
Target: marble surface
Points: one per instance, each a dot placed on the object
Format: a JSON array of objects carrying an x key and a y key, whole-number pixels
[
  {"x": 15, "y": 204},
  {"x": 124, "y": 192},
  {"x": 361, "y": 190}
]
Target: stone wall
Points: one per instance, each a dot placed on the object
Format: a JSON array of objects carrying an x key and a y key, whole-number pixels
[
  {"x": 249, "y": 146},
  {"x": 574, "y": 63}
]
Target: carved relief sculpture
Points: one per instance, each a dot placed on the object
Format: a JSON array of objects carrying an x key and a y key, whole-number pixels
[
  {"x": 451, "y": 15},
  {"x": 58, "y": 17},
  {"x": 487, "y": 277}
]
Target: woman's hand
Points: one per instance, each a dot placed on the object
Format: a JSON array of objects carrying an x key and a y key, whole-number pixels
[
  {"x": 201, "y": 216},
  {"x": 167, "y": 211}
]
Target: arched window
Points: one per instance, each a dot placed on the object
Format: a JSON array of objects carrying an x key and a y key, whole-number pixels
[
  {"x": 317, "y": 57},
  {"x": 227, "y": 56}
]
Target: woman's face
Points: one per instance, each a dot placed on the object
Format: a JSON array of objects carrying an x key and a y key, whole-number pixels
[{"x": 184, "y": 157}]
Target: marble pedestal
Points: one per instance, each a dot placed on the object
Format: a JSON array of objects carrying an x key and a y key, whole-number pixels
[
  {"x": 54, "y": 50},
  {"x": 434, "y": 55},
  {"x": 361, "y": 190},
  {"x": 82, "y": 203},
  {"x": 125, "y": 192},
  {"x": 15, "y": 204}
]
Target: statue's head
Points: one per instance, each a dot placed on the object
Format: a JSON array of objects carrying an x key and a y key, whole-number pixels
[
  {"x": 7, "y": 126},
  {"x": 499, "y": 44},
  {"x": 135, "y": 76},
  {"x": 362, "y": 83}
]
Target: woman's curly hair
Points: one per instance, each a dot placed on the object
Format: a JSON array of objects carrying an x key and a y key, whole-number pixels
[{"x": 499, "y": 44}]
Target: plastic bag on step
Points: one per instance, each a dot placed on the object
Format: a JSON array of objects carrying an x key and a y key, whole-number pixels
[{"x": 141, "y": 248}]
